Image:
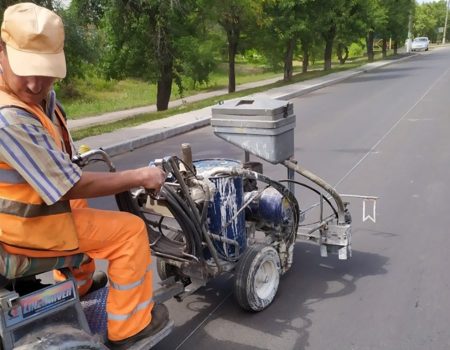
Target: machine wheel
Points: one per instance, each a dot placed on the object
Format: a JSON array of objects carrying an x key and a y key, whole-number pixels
[
  {"x": 257, "y": 277},
  {"x": 165, "y": 270}
]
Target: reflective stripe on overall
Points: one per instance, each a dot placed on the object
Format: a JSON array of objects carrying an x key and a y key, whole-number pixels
[
  {"x": 25, "y": 220},
  {"x": 121, "y": 238}
]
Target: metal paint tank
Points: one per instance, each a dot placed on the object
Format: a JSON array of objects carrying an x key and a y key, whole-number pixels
[{"x": 226, "y": 200}]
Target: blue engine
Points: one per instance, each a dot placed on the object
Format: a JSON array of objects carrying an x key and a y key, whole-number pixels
[{"x": 269, "y": 209}]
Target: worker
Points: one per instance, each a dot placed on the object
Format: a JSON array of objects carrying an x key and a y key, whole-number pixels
[{"x": 42, "y": 208}]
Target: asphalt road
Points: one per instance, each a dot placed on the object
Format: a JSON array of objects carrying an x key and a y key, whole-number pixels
[{"x": 383, "y": 133}]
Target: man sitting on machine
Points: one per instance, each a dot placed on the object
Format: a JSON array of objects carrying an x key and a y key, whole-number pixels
[{"x": 42, "y": 208}]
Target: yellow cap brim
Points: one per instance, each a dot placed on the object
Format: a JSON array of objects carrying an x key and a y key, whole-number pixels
[{"x": 25, "y": 63}]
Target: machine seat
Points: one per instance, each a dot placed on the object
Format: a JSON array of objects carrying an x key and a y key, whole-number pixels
[{"x": 14, "y": 266}]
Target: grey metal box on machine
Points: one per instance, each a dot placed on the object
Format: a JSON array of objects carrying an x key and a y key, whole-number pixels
[{"x": 263, "y": 127}]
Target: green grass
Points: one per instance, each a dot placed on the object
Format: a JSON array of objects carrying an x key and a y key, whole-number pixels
[
  {"x": 96, "y": 96},
  {"x": 100, "y": 96}
]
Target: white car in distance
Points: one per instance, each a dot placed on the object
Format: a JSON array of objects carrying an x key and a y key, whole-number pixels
[{"x": 420, "y": 43}]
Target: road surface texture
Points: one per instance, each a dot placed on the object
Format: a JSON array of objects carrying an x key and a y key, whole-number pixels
[{"x": 383, "y": 133}]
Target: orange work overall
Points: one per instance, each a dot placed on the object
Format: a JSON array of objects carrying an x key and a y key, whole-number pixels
[{"x": 121, "y": 238}]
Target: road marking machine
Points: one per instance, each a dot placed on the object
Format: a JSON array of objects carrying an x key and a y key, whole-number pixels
[{"x": 212, "y": 216}]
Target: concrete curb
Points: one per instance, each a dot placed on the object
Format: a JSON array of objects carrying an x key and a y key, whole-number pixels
[
  {"x": 298, "y": 89},
  {"x": 156, "y": 136}
]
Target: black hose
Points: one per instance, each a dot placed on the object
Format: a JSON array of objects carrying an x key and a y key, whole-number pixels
[
  {"x": 159, "y": 225},
  {"x": 185, "y": 226},
  {"x": 183, "y": 219},
  {"x": 316, "y": 191},
  {"x": 320, "y": 182},
  {"x": 195, "y": 214},
  {"x": 186, "y": 209}
]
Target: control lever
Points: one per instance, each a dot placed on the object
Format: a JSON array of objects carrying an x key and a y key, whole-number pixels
[{"x": 155, "y": 194}]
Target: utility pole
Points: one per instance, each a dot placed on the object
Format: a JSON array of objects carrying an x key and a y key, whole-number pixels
[{"x": 445, "y": 25}]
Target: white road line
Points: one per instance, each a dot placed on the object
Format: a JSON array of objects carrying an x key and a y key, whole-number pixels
[
  {"x": 391, "y": 129},
  {"x": 204, "y": 320}
]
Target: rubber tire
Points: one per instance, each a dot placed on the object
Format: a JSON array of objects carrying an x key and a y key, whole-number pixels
[{"x": 245, "y": 277}]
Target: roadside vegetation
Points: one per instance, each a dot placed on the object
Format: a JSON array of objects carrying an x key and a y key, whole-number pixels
[
  {"x": 99, "y": 95},
  {"x": 124, "y": 54},
  {"x": 140, "y": 119},
  {"x": 96, "y": 95}
]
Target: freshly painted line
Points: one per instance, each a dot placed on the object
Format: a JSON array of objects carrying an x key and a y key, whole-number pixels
[
  {"x": 204, "y": 320},
  {"x": 391, "y": 129}
]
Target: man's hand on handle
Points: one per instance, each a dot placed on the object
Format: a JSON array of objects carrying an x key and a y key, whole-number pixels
[
  {"x": 97, "y": 184},
  {"x": 152, "y": 178}
]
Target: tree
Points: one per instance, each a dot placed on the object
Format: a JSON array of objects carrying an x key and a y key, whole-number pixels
[
  {"x": 88, "y": 12},
  {"x": 353, "y": 27},
  {"x": 429, "y": 17},
  {"x": 336, "y": 18},
  {"x": 289, "y": 25},
  {"x": 398, "y": 12},
  {"x": 82, "y": 39},
  {"x": 234, "y": 16},
  {"x": 146, "y": 40},
  {"x": 79, "y": 48},
  {"x": 375, "y": 20}
]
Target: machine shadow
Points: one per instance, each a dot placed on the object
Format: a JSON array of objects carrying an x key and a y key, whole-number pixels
[
  {"x": 367, "y": 77},
  {"x": 287, "y": 320}
]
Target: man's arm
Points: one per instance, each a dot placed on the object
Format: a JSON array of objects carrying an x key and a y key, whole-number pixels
[
  {"x": 27, "y": 147},
  {"x": 30, "y": 150},
  {"x": 96, "y": 184}
]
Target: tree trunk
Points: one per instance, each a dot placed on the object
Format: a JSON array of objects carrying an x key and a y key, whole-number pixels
[
  {"x": 384, "y": 48},
  {"x": 305, "y": 61},
  {"x": 369, "y": 43},
  {"x": 305, "y": 50},
  {"x": 329, "y": 38},
  {"x": 233, "y": 38},
  {"x": 342, "y": 53},
  {"x": 164, "y": 86},
  {"x": 288, "y": 58},
  {"x": 327, "y": 54},
  {"x": 395, "y": 47}
]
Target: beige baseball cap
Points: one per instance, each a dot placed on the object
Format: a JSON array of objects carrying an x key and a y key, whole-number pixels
[{"x": 34, "y": 38}]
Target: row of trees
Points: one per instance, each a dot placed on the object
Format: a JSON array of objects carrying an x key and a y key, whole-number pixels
[
  {"x": 429, "y": 18},
  {"x": 163, "y": 40}
]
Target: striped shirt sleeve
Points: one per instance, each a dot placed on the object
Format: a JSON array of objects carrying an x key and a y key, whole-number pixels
[{"x": 28, "y": 148}]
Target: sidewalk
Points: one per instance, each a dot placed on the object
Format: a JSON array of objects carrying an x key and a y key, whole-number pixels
[
  {"x": 132, "y": 112},
  {"x": 128, "y": 139}
]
